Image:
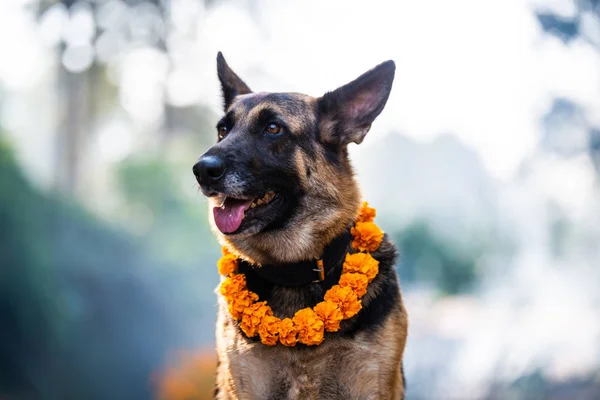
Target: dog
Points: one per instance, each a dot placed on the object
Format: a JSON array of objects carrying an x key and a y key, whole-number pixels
[{"x": 282, "y": 194}]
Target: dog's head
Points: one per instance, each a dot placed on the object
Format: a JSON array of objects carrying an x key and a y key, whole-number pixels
[{"x": 279, "y": 180}]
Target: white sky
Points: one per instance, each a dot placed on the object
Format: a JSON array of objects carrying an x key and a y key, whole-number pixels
[{"x": 481, "y": 70}]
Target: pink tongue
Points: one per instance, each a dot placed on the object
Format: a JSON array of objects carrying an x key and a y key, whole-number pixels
[{"x": 229, "y": 217}]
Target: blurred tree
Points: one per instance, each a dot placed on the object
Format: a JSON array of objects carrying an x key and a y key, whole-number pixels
[
  {"x": 426, "y": 257},
  {"x": 170, "y": 222},
  {"x": 84, "y": 313},
  {"x": 98, "y": 35},
  {"x": 567, "y": 28},
  {"x": 28, "y": 318},
  {"x": 537, "y": 386},
  {"x": 567, "y": 130}
]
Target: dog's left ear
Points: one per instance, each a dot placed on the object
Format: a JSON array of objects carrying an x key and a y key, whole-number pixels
[
  {"x": 231, "y": 84},
  {"x": 346, "y": 114}
]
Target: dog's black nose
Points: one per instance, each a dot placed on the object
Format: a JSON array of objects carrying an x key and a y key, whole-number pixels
[{"x": 209, "y": 169}]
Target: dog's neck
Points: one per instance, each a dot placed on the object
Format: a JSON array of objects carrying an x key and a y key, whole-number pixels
[{"x": 308, "y": 271}]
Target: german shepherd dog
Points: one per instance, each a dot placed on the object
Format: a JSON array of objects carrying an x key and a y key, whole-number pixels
[{"x": 282, "y": 194}]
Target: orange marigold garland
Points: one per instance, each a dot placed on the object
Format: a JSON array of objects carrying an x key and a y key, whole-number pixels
[
  {"x": 232, "y": 285},
  {"x": 362, "y": 263},
  {"x": 252, "y": 317},
  {"x": 331, "y": 315},
  {"x": 346, "y": 299},
  {"x": 310, "y": 327},
  {"x": 240, "y": 301},
  {"x": 367, "y": 236},
  {"x": 268, "y": 330},
  {"x": 227, "y": 264},
  {"x": 366, "y": 213},
  {"x": 357, "y": 282},
  {"x": 288, "y": 334},
  {"x": 342, "y": 301}
]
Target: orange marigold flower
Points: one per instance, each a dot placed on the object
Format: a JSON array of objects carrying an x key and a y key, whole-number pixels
[
  {"x": 357, "y": 282},
  {"x": 367, "y": 236},
  {"x": 288, "y": 335},
  {"x": 361, "y": 263},
  {"x": 233, "y": 284},
  {"x": 227, "y": 264},
  {"x": 252, "y": 317},
  {"x": 239, "y": 301},
  {"x": 225, "y": 251},
  {"x": 310, "y": 327},
  {"x": 269, "y": 330},
  {"x": 331, "y": 315},
  {"x": 366, "y": 213},
  {"x": 346, "y": 300}
]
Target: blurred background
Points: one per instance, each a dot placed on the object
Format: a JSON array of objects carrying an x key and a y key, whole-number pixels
[{"x": 484, "y": 168}]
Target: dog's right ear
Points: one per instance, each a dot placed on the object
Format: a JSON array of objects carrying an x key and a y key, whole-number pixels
[
  {"x": 231, "y": 84},
  {"x": 346, "y": 114}
]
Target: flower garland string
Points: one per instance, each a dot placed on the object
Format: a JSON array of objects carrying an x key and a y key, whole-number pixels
[{"x": 308, "y": 325}]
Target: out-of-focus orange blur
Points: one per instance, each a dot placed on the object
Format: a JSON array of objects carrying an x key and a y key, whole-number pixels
[{"x": 190, "y": 376}]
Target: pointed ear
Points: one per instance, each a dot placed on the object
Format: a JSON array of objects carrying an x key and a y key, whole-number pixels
[
  {"x": 346, "y": 114},
  {"x": 231, "y": 84}
]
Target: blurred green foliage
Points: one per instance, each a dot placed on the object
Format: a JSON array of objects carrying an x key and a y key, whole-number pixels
[
  {"x": 28, "y": 320},
  {"x": 169, "y": 220},
  {"x": 84, "y": 311},
  {"x": 427, "y": 257}
]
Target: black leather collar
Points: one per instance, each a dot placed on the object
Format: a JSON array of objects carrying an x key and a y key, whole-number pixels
[{"x": 307, "y": 272}]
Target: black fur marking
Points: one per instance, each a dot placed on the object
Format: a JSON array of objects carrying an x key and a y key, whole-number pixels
[
  {"x": 333, "y": 154},
  {"x": 292, "y": 201},
  {"x": 231, "y": 84},
  {"x": 249, "y": 102},
  {"x": 306, "y": 144},
  {"x": 228, "y": 122},
  {"x": 266, "y": 116}
]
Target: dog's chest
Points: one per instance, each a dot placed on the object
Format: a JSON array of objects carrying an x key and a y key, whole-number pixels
[
  {"x": 336, "y": 369},
  {"x": 284, "y": 373}
]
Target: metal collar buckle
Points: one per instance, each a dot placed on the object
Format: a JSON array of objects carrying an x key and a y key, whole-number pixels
[{"x": 321, "y": 270}]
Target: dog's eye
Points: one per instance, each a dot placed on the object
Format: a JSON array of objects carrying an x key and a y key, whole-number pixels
[
  {"x": 222, "y": 130},
  {"x": 273, "y": 129}
]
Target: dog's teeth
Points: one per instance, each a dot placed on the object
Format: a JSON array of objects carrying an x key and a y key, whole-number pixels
[
  {"x": 220, "y": 200},
  {"x": 268, "y": 197},
  {"x": 252, "y": 205},
  {"x": 259, "y": 201}
]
